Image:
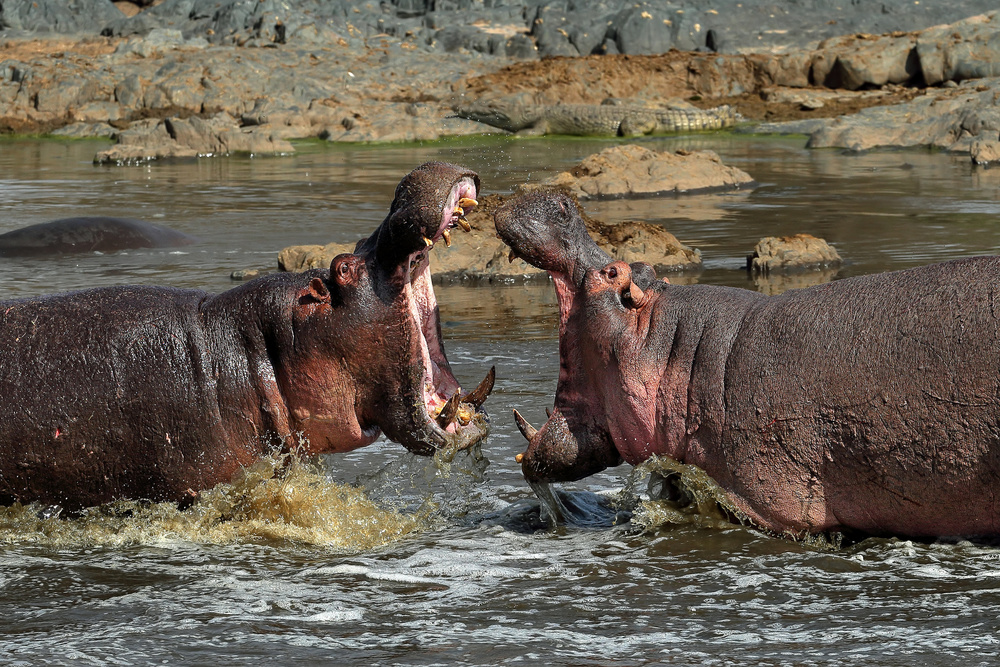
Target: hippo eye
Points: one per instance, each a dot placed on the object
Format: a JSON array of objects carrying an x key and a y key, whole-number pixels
[{"x": 612, "y": 273}]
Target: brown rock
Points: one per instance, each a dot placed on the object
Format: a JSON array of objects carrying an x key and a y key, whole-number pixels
[
  {"x": 790, "y": 253},
  {"x": 480, "y": 255},
  {"x": 985, "y": 151},
  {"x": 631, "y": 170}
]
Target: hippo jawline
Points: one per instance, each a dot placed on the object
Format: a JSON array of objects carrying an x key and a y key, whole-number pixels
[{"x": 450, "y": 418}]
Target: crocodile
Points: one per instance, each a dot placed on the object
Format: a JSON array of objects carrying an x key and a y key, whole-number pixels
[{"x": 594, "y": 119}]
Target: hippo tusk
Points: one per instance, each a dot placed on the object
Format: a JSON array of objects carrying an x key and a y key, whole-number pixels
[
  {"x": 527, "y": 430},
  {"x": 448, "y": 411},
  {"x": 519, "y": 457},
  {"x": 511, "y": 256},
  {"x": 447, "y": 238},
  {"x": 467, "y": 202},
  {"x": 428, "y": 242},
  {"x": 636, "y": 293},
  {"x": 464, "y": 224},
  {"x": 478, "y": 395}
]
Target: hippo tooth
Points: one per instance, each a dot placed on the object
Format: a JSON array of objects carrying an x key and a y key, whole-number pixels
[
  {"x": 511, "y": 256},
  {"x": 478, "y": 395},
  {"x": 449, "y": 411},
  {"x": 428, "y": 242},
  {"x": 527, "y": 430},
  {"x": 464, "y": 224},
  {"x": 467, "y": 202},
  {"x": 637, "y": 295},
  {"x": 459, "y": 211},
  {"x": 447, "y": 238},
  {"x": 519, "y": 457}
]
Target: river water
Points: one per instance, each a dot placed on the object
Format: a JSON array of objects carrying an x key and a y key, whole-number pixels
[{"x": 382, "y": 558}]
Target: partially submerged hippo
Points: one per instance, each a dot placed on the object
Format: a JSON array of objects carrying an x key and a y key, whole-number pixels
[
  {"x": 88, "y": 234},
  {"x": 865, "y": 405},
  {"x": 154, "y": 392}
]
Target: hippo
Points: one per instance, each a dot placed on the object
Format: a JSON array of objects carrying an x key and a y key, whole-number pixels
[
  {"x": 864, "y": 406},
  {"x": 137, "y": 392},
  {"x": 87, "y": 235}
]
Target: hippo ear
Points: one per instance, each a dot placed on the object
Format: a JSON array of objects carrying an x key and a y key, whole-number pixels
[{"x": 316, "y": 292}]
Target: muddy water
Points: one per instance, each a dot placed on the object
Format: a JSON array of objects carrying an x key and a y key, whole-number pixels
[{"x": 378, "y": 557}]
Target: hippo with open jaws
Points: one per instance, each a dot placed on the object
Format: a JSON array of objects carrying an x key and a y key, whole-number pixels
[
  {"x": 157, "y": 393},
  {"x": 88, "y": 234},
  {"x": 867, "y": 406}
]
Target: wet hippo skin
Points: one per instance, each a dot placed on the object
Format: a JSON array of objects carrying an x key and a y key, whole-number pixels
[
  {"x": 155, "y": 392},
  {"x": 868, "y": 405}
]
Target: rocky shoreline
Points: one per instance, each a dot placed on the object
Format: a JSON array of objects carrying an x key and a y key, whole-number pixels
[{"x": 188, "y": 78}]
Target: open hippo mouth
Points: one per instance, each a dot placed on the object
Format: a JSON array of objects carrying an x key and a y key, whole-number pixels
[
  {"x": 430, "y": 411},
  {"x": 547, "y": 231},
  {"x": 453, "y": 417}
]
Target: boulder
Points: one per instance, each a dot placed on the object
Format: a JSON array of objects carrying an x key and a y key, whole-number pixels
[
  {"x": 630, "y": 170},
  {"x": 192, "y": 137},
  {"x": 480, "y": 255},
  {"x": 950, "y": 118},
  {"x": 801, "y": 252},
  {"x": 985, "y": 151}
]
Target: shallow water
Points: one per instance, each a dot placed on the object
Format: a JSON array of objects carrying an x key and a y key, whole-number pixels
[{"x": 463, "y": 569}]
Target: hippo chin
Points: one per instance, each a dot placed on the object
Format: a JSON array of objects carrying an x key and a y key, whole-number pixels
[
  {"x": 156, "y": 393},
  {"x": 869, "y": 405},
  {"x": 88, "y": 235}
]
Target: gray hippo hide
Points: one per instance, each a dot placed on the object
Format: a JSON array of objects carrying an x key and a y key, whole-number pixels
[
  {"x": 156, "y": 393},
  {"x": 88, "y": 234},
  {"x": 869, "y": 405}
]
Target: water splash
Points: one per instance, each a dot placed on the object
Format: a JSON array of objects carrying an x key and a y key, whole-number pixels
[
  {"x": 684, "y": 495},
  {"x": 279, "y": 498}
]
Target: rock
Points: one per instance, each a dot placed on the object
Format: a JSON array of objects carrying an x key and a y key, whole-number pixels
[
  {"x": 74, "y": 16},
  {"x": 985, "y": 151},
  {"x": 630, "y": 170},
  {"x": 800, "y": 252},
  {"x": 86, "y": 131},
  {"x": 480, "y": 255},
  {"x": 248, "y": 274},
  {"x": 192, "y": 137},
  {"x": 950, "y": 119}
]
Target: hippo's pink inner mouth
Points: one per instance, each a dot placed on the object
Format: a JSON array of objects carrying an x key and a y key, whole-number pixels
[{"x": 446, "y": 408}]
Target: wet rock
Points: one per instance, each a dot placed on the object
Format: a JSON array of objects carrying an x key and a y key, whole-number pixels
[
  {"x": 86, "y": 131},
  {"x": 985, "y": 151},
  {"x": 192, "y": 137},
  {"x": 480, "y": 255},
  {"x": 248, "y": 274},
  {"x": 631, "y": 170},
  {"x": 947, "y": 118},
  {"x": 800, "y": 252}
]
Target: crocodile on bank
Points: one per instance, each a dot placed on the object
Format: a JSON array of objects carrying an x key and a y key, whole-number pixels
[{"x": 595, "y": 119}]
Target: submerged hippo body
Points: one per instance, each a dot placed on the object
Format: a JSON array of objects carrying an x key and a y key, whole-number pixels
[
  {"x": 868, "y": 405},
  {"x": 151, "y": 392},
  {"x": 87, "y": 235}
]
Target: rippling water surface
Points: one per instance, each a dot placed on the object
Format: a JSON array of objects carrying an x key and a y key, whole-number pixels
[{"x": 380, "y": 557}]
